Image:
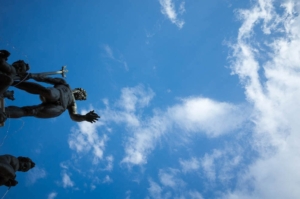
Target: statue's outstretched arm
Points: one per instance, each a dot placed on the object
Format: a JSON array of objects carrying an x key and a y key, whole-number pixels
[
  {"x": 89, "y": 117},
  {"x": 74, "y": 115},
  {"x": 46, "y": 79}
]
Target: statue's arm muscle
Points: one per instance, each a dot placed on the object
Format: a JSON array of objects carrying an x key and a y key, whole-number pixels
[
  {"x": 49, "y": 80},
  {"x": 74, "y": 115}
]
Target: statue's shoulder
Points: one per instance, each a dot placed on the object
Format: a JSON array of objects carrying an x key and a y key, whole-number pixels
[{"x": 6, "y": 159}]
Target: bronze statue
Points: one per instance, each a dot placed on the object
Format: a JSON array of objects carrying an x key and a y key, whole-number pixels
[
  {"x": 9, "y": 73},
  {"x": 55, "y": 100},
  {"x": 9, "y": 165}
]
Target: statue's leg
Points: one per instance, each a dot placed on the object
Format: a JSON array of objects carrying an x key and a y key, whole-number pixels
[
  {"x": 31, "y": 87},
  {"x": 50, "y": 111},
  {"x": 40, "y": 111},
  {"x": 17, "y": 112},
  {"x": 51, "y": 94}
]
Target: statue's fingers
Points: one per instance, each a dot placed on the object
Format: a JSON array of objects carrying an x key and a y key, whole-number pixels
[{"x": 95, "y": 115}]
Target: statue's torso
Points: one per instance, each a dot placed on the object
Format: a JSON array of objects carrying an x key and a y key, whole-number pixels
[{"x": 66, "y": 96}]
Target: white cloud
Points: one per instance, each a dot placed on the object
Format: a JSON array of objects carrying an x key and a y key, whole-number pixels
[
  {"x": 190, "y": 165},
  {"x": 220, "y": 166},
  {"x": 136, "y": 97},
  {"x": 109, "y": 53},
  {"x": 66, "y": 180},
  {"x": 208, "y": 164},
  {"x": 86, "y": 139},
  {"x": 107, "y": 179},
  {"x": 128, "y": 193},
  {"x": 272, "y": 86},
  {"x": 110, "y": 160},
  {"x": 182, "y": 8},
  {"x": 155, "y": 190},
  {"x": 168, "y": 178},
  {"x": 206, "y": 115},
  {"x": 168, "y": 9},
  {"x": 195, "y": 195},
  {"x": 191, "y": 115},
  {"x": 35, "y": 174},
  {"x": 93, "y": 187},
  {"x": 52, "y": 195}
]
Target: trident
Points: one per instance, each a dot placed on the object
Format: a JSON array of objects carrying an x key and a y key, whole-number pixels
[{"x": 63, "y": 72}]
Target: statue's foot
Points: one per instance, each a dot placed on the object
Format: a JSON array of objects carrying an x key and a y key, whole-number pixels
[
  {"x": 3, "y": 117},
  {"x": 9, "y": 95}
]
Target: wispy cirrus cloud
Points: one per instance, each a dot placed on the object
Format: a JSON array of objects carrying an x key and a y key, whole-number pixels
[
  {"x": 266, "y": 59},
  {"x": 88, "y": 147},
  {"x": 66, "y": 180},
  {"x": 110, "y": 54},
  {"x": 220, "y": 166},
  {"x": 107, "y": 180},
  {"x": 191, "y": 115},
  {"x": 195, "y": 195},
  {"x": 86, "y": 139},
  {"x": 155, "y": 190},
  {"x": 52, "y": 195},
  {"x": 170, "y": 179},
  {"x": 35, "y": 174},
  {"x": 190, "y": 165},
  {"x": 168, "y": 9}
]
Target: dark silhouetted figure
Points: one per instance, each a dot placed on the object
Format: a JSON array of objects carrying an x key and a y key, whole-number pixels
[
  {"x": 55, "y": 100},
  {"x": 9, "y": 165}
]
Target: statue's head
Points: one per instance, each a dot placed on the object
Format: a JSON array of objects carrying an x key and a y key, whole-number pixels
[
  {"x": 25, "y": 164},
  {"x": 79, "y": 94},
  {"x": 20, "y": 66}
]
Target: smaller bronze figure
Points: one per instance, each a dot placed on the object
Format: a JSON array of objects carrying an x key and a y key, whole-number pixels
[
  {"x": 9, "y": 73},
  {"x": 55, "y": 100},
  {"x": 9, "y": 165}
]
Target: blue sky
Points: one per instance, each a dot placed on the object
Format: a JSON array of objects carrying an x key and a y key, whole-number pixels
[{"x": 198, "y": 99}]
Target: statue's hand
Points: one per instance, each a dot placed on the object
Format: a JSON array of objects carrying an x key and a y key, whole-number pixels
[
  {"x": 11, "y": 183},
  {"x": 14, "y": 182},
  {"x": 91, "y": 116}
]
